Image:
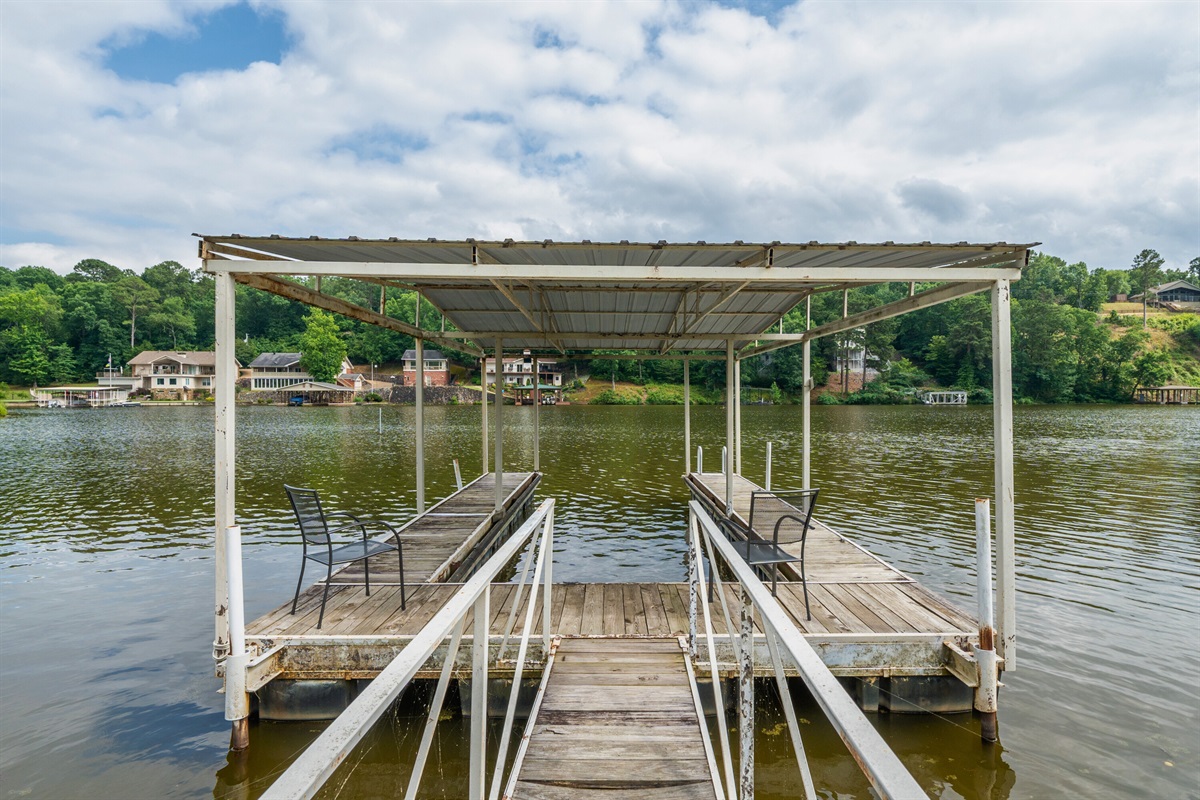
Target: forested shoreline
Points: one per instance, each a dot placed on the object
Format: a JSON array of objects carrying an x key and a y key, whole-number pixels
[{"x": 64, "y": 328}]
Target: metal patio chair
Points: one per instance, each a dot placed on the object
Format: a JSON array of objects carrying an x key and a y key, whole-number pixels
[
  {"x": 787, "y": 514},
  {"x": 319, "y": 546}
]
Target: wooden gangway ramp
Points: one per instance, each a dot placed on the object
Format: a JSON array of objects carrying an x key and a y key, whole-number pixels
[{"x": 618, "y": 718}]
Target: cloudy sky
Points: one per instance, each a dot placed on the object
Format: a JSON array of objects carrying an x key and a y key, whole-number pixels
[{"x": 126, "y": 126}]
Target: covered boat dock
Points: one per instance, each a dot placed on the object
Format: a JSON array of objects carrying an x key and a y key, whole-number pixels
[{"x": 692, "y": 301}]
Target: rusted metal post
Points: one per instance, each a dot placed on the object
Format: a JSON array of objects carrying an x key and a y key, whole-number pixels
[
  {"x": 483, "y": 391},
  {"x": 986, "y": 695},
  {"x": 687, "y": 418},
  {"x": 693, "y": 568},
  {"x": 746, "y": 698},
  {"x": 1002, "y": 431},
  {"x": 237, "y": 700},
  {"x": 225, "y": 469},
  {"x": 537, "y": 406},
  {"x": 737, "y": 417},
  {"x": 420, "y": 437},
  {"x": 479, "y": 710},
  {"x": 499, "y": 427},
  {"x": 730, "y": 404}
]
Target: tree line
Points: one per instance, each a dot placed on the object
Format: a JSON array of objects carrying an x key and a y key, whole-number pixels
[{"x": 63, "y": 328}]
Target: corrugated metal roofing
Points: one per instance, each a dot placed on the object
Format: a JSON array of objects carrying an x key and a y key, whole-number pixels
[{"x": 584, "y": 307}]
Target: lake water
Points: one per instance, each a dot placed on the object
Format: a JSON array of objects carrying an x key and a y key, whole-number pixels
[{"x": 106, "y": 686}]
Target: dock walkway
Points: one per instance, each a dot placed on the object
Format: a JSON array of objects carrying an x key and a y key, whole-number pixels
[{"x": 618, "y": 719}]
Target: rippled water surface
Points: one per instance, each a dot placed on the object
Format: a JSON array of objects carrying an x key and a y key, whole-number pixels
[{"x": 106, "y": 581}]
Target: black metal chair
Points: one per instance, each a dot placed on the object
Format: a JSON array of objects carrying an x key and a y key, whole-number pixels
[
  {"x": 319, "y": 545},
  {"x": 788, "y": 515}
]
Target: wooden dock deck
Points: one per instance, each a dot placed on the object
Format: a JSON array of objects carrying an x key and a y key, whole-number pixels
[
  {"x": 618, "y": 719},
  {"x": 436, "y": 545}
]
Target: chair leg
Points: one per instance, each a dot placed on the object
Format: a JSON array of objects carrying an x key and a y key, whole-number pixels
[
  {"x": 325, "y": 596},
  {"x": 400, "y": 553},
  {"x": 303, "y": 561},
  {"x": 774, "y": 579},
  {"x": 710, "y": 581},
  {"x": 367, "y": 573},
  {"x": 804, "y": 583}
]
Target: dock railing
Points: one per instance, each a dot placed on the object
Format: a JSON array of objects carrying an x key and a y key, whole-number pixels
[
  {"x": 308, "y": 773},
  {"x": 784, "y": 640}
]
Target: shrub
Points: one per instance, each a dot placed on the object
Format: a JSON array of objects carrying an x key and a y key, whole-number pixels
[
  {"x": 1175, "y": 323},
  {"x": 623, "y": 397},
  {"x": 3, "y": 410},
  {"x": 827, "y": 399},
  {"x": 373, "y": 397},
  {"x": 663, "y": 396},
  {"x": 980, "y": 396}
]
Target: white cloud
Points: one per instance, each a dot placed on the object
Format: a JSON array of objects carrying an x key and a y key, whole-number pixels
[{"x": 1073, "y": 124}]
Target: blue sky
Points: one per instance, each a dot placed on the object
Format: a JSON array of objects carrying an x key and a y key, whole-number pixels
[{"x": 125, "y": 125}]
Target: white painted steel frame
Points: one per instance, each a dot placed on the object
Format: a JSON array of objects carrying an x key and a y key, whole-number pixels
[
  {"x": 225, "y": 466},
  {"x": 1002, "y": 432},
  {"x": 883, "y": 769},
  {"x": 306, "y": 775}
]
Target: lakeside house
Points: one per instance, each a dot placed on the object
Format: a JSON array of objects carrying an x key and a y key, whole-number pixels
[
  {"x": 437, "y": 368},
  {"x": 168, "y": 374},
  {"x": 280, "y": 370},
  {"x": 1178, "y": 295},
  {"x": 517, "y": 374}
]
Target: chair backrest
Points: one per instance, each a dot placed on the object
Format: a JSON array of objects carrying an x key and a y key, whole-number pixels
[
  {"x": 309, "y": 515},
  {"x": 784, "y": 515}
]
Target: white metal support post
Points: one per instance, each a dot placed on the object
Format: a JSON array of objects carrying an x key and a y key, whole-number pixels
[
  {"x": 687, "y": 418},
  {"x": 483, "y": 464},
  {"x": 730, "y": 400},
  {"x": 737, "y": 416},
  {"x": 420, "y": 426},
  {"x": 225, "y": 451},
  {"x": 806, "y": 416},
  {"x": 499, "y": 427},
  {"x": 746, "y": 697},
  {"x": 479, "y": 682},
  {"x": 237, "y": 700},
  {"x": 537, "y": 405},
  {"x": 1002, "y": 431},
  {"x": 985, "y": 653}
]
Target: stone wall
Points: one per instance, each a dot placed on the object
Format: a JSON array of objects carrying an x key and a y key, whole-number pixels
[{"x": 434, "y": 395}]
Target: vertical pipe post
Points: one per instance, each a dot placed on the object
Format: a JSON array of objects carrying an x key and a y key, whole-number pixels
[
  {"x": 499, "y": 427},
  {"x": 1002, "y": 431},
  {"x": 737, "y": 416},
  {"x": 381, "y": 420},
  {"x": 746, "y": 698},
  {"x": 479, "y": 682},
  {"x": 537, "y": 405},
  {"x": 985, "y": 654},
  {"x": 237, "y": 701},
  {"x": 687, "y": 418},
  {"x": 767, "y": 480},
  {"x": 457, "y": 476},
  {"x": 806, "y": 404},
  {"x": 483, "y": 387},
  {"x": 225, "y": 467},
  {"x": 693, "y": 568},
  {"x": 420, "y": 425},
  {"x": 730, "y": 402},
  {"x": 700, "y": 460},
  {"x": 547, "y": 578}
]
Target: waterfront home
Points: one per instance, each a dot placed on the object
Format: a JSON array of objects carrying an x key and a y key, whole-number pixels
[
  {"x": 518, "y": 373},
  {"x": 172, "y": 374},
  {"x": 1176, "y": 295},
  {"x": 280, "y": 370},
  {"x": 437, "y": 368}
]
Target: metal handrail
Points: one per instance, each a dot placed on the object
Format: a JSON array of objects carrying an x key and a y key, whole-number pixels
[
  {"x": 881, "y": 766},
  {"x": 308, "y": 773}
]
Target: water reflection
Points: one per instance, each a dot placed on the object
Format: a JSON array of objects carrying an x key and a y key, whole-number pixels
[{"x": 106, "y": 576}]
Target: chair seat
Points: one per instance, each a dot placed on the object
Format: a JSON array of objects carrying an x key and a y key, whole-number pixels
[
  {"x": 355, "y": 551},
  {"x": 755, "y": 552}
]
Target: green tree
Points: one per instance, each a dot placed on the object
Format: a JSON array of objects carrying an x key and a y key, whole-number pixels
[
  {"x": 174, "y": 319},
  {"x": 1151, "y": 368},
  {"x": 1145, "y": 273},
  {"x": 1194, "y": 269},
  {"x": 134, "y": 295},
  {"x": 321, "y": 347}
]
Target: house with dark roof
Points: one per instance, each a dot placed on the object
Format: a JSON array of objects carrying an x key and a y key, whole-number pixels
[
  {"x": 280, "y": 370},
  {"x": 1178, "y": 294}
]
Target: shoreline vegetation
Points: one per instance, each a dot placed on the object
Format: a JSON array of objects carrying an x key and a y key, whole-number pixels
[{"x": 1069, "y": 344}]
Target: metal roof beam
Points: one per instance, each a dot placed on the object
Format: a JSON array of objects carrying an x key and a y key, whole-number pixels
[
  {"x": 609, "y": 273},
  {"x": 302, "y": 294}
]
